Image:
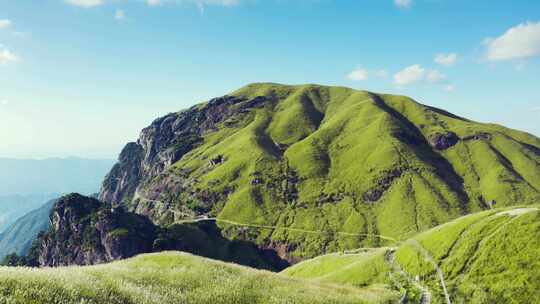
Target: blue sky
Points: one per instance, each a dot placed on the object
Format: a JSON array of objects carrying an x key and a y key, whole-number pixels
[{"x": 82, "y": 77}]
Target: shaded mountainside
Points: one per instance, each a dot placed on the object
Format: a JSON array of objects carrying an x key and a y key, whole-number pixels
[
  {"x": 171, "y": 277},
  {"x": 86, "y": 231},
  {"x": 321, "y": 158},
  {"x": 18, "y": 237},
  {"x": 486, "y": 257}
]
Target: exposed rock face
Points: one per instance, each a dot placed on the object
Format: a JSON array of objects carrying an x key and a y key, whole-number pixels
[
  {"x": 120, "y": 183},
  {"x": 443, "y": 141},
  {"x": 85, "y": 231},
  {"x": 163, "y": 143}
]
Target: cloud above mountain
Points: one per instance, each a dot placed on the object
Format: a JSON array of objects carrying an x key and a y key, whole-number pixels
[
  {"x": 6, "y": 56},
  {"x": 417, "y": 74},
  {"x": 5, "y": 23},
  {"x": 519, "y": 42},
  {"x": 446, "y": 59},
  {"x": 94, "y": 3}
]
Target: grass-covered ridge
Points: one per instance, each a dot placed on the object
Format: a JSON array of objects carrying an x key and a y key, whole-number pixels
[
  {"x": 173, "y": 277},
  {"x": 490, "y": 257},
  {"x": 336, "y": 159},
  {"x": 486, "y": 257}
]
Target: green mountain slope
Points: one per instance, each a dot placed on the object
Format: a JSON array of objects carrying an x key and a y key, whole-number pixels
[
  {"x": 171, "y": 277},
  {"x": 486, "y": 257},
  {"x": 491, "y": 257},
  {"x": 320, "y": 158},
  {"x": 18, "y": 237}
]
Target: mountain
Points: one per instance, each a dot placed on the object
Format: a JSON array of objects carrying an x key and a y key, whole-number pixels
[
  {"x": 351, "y": 164},
  {"x": 486, "y": 257},
  {"x": 18, "y": 237},
  {"x": 171, "y": 277},
  {"x": 52, "y": 175}
]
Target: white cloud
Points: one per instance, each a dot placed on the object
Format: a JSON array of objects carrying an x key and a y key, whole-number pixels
[
  {"x": 358, "y": 74},
  {"x": 200, "y": 3},
  {"x": 535, "y": 109},
  {"x": 434, "y": 76},
  {"x": 381, "y": 73},
  {"x": 120, "y": 15},
  {"x": 403, "y": 3},
  {"x": 449, "y": 88},
  {"x": 446, "y": 59},
  {"x": 409, "y": 75},
  {"x": 85, "y": 3},
  {"x": 415, "y": 74},
  {"x": 5, "y": 23},
  {"x": 4, "y": 102},
  {"x": 519, "y": 42},
  {"x": 6, "y": 56}
]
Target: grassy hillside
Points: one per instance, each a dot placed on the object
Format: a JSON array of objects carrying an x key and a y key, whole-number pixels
[
  {"x": 173, "y": 277},
  {"x": 490, "y": 257},
  {"x": 330, "y": 159},
  {"x": 486, "y": 257}
]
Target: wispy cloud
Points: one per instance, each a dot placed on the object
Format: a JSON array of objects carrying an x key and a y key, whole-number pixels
[
  {"x": 85, "y": 3},
  {"x": 199, "y": 3},
  {"x": 120, "y": 15},
  {"x": 7, "y": 57},
  {"x": 381, "y": 73},
  {"x": 358, "y": 74},
  {"x": 417, "y": 74},
  {"x": 403, "y": 3},
  {"x": 446, "y": 59},
  {"x": 449, "y": 88},
  {"x": 434, "y": 76},
  {"x": 519, "y": 42},
  {"x": 409, "y": 75},
  {"x": 5, "y": 23}
]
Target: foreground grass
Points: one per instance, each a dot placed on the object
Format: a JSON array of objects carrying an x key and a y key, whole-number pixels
[{"x": 173, "y": 277}]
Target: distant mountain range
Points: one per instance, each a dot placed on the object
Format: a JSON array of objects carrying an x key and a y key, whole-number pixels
[
  {"x": 13, "y": 207},
  {"x": 18, "y": 237},
  {"x": 26, "y": 185}
]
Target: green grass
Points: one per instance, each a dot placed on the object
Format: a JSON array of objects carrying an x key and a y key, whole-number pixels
[
  {"x": 356, "y": 269},
  {"x": 173, "y": 277},
  {"x": 488, "y": 257},
  {"x": 485, "y": 257}
]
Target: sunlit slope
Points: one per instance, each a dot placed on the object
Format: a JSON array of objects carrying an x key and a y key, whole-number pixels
[
  {"x": 486, "y": 257},
  {"x": 172, "y": 277},
  {"x": 337, "y": 159},
  {"x": 491, "y": 257}
]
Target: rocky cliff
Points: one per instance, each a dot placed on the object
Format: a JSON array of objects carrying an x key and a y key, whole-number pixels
[{"x": 85, "y": 231}]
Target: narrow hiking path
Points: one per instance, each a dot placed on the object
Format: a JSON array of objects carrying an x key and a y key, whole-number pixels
[{"x": 396, "y": 268}]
